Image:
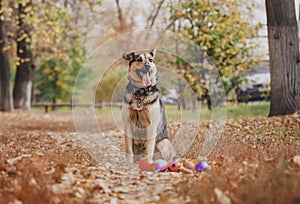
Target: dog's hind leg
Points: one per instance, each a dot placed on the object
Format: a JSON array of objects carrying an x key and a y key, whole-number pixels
[
  {"x": 166, "y": 149},
  {"x": 163, "y": 144}
]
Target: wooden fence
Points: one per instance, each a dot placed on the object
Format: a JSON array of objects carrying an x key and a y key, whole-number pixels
[{"x": 53, "y": 106}]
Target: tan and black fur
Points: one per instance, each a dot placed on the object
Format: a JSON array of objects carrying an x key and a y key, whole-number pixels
[{"x": 145, "y": 124}]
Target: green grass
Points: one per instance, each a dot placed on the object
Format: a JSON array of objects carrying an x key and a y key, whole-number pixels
[
  {"x": 241, "y": 110},
  {"x": 248, "y": 110},
  {"x": 175, "y": 114},
  {"x": 58, "y": 109}
]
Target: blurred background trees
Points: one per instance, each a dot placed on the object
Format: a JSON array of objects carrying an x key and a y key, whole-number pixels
[
  {"x": 46, "y": 47},
  {"x": 5, "y": 81},
  {"x": 59, "y": 52},
  {"x": 24, "y": 59},
  {"x": 51, "y": 39},
  {"x": 223, "y": 31}
]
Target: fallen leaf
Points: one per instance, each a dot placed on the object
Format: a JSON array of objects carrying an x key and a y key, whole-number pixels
[{"x": 222, "y": 198}]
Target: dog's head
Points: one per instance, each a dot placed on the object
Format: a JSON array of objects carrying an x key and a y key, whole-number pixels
[{"x": 142, "y": 68}]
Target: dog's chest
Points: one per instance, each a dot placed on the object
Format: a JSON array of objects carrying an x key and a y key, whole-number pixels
[
  {"x": 140, "y": 118},
  {"x": 141, "y": 104}
]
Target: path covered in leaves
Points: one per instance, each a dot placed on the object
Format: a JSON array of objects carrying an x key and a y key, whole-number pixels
[{"x": 42, "y": 161}]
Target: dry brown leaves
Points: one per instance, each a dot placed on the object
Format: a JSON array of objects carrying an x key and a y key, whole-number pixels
[{"x": 42, "y": 161}]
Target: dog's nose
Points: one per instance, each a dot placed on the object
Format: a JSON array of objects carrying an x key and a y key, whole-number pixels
[{"x": 147, "y": 67}]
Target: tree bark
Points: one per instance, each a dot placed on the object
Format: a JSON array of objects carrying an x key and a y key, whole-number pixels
[
  {"x": 284, "y": 57},
  {"x": 23, "y": 80},
  {"x": 5, "y": 83}
]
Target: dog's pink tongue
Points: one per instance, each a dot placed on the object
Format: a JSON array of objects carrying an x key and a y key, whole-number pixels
[{"x": 146, "y": 80}]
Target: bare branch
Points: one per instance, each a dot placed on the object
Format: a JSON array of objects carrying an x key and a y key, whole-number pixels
[
  {"x": 172, "y": 23},
  {"x": 120, "y": 15},
  {"x": 156, "y": 13},
  {"x": 151, "y": 13}
]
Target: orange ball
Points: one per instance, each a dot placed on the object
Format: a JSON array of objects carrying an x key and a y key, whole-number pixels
[{"x": 174, "y": 166}]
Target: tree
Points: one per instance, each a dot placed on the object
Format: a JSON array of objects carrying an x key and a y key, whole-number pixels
[
  {"x": 5, "y": 83},
  {"x": 121, "y": 16},
  {"x": 284, "y": 57},
  {"x": 25, "y": 65},
  {"x": 59, "y": 49},
  {"x": 221, "y": 30},
  {"x": 107, "y": 85},
  {"x": 52, "y": 34}
]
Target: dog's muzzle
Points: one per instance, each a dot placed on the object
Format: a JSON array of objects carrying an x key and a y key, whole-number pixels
[{"x": 146, "y": 69}]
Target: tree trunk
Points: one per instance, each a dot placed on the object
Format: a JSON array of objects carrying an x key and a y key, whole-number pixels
[
  {"x": 25, "y": 67},
  {"x": 5, "y": 83},
  {"x": 54, "y": 90},
  {"x": 122, "y": 27},
  {"x": 284, "y": 57}
]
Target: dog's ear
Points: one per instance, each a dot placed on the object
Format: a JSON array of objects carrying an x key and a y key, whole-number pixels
[
  {"x": 129, "y": 56},
  {"x": 153, "y": 52}
]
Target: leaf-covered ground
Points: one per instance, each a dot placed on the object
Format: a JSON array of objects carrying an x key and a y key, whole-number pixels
[{"x": 42, "y": 161}]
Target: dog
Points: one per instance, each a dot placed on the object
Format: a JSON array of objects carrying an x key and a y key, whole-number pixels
[{"x": 143, "y": 113}]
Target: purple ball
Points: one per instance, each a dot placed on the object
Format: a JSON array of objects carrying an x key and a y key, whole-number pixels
[{"x": 201, "y": 166}]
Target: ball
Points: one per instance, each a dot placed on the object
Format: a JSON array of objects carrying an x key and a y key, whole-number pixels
[
  {"x": 201, "y": 166},
  {"x": 189, "y": 165},
  {"x": 159, "y": 165},
  {"x": 174, "y": 166},
  {"x": 145, "y": 164}
]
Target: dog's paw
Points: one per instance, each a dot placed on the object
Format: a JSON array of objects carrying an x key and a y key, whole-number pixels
[
  {"x": 129, "y": 158},
  {"x": 166, "y": 149},
  {"x": 150, "y": 157}
]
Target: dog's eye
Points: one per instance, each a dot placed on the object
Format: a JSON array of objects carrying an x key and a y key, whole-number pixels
[
  {"x": 151, "y": 60},
  {"x": 139, "y": 59}
]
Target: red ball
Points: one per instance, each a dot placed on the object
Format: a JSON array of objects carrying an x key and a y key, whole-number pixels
[{"x": 145, "y": 164}]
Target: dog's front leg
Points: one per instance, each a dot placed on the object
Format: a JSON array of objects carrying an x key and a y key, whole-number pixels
[
  {"x": 150, "y": 143},
  {"x": 128, "y": 144}
]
